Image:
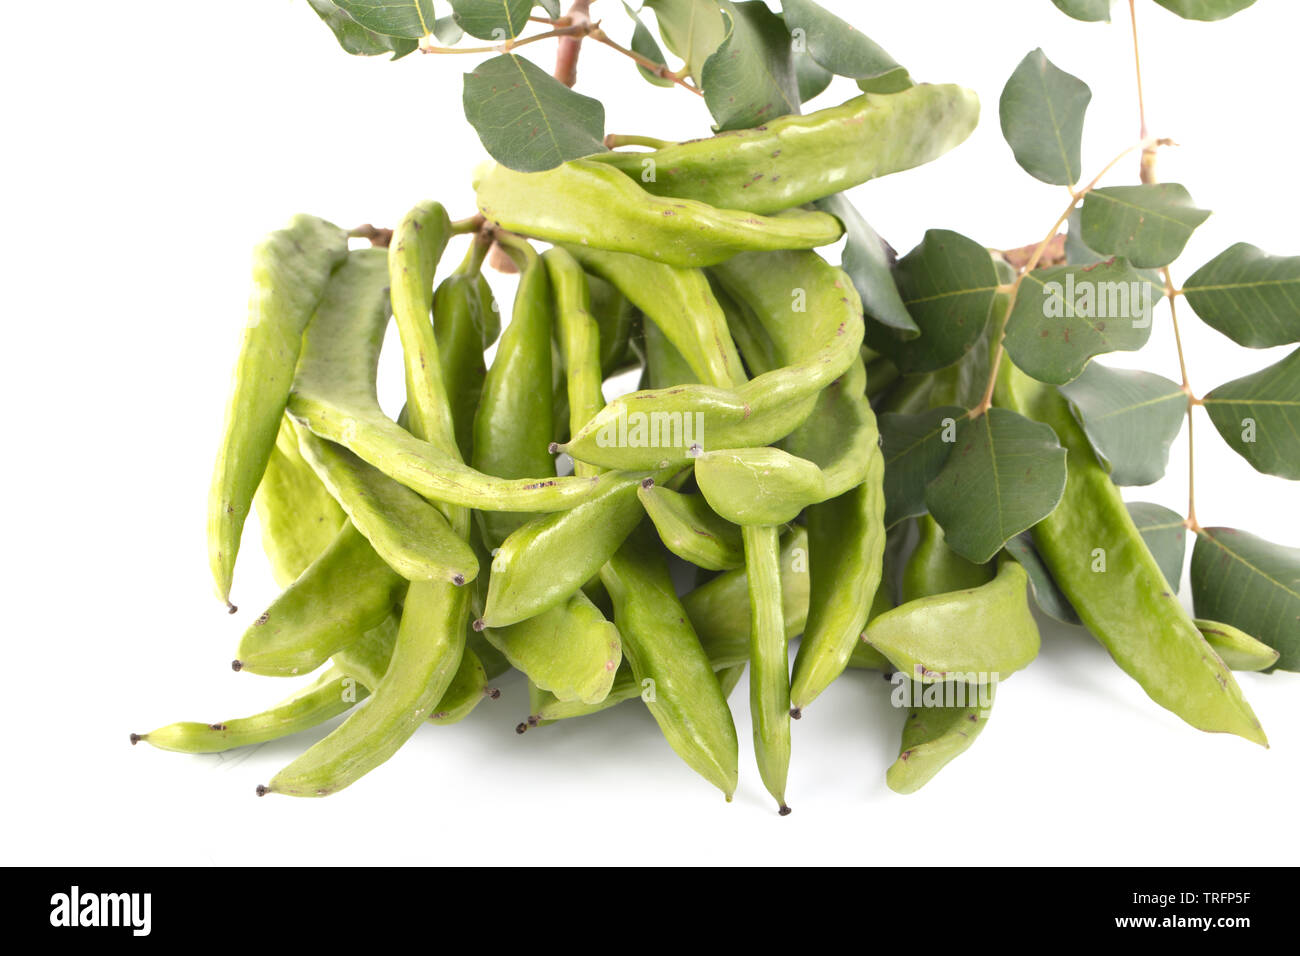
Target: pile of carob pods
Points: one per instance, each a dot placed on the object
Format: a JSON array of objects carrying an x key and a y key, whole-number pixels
[{"x": 652, "y": 547}]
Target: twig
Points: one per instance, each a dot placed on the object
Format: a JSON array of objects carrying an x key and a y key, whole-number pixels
[{"x": 986, "y": 402}]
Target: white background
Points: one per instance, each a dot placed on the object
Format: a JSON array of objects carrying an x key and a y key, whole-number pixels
[{"x": 145, "y": 153}]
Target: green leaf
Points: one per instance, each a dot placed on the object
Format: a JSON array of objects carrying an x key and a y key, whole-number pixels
[
  {"x": 691, "y": 29},
  {"x": 1065, "y": 315},
  {"x": 1253, "y": 585},
  {"x": 1130, "y": 418},
  {"x": 527, "y": 119},
  {"x": 1251, "y": 297},
  {"x": 552, "y": 8},
  {"x": 841, "y": 48},
  {"x": 412, "y": 19},
  {"x": 1087, "y": 10},
  {"x": 948, "y": 284},
  {"x": 811, "y": 77},
  {"x": 644, "y": 43},
  {"x": 1165, "y": 536},
  {"x": 1259, "y": 416},
  {"x": 1042, "y": 110},
  {"x": 915, "y": 449},
  {"x": 356, "y": 39},
  {"x": 1148, "y": 225},
  {"x": 1077, "y": 252},
  {"x": 1005, "y": 474},
  {"x": 1046, "y": 593},
  {"x": 750, "y": 78},
  {"x": 1205, "y": 9},
  {"x": 868, "y": 260},
  {"x": 498, "y": 20}
]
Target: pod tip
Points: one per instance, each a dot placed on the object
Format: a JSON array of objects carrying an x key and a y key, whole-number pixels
[
  {"x": 521, "y": 727},
  {"x": 458, "y": 580},
  {"x": 492, "y": 693},
  {"x": 553, "y": 448},
  {"x": 236, "y": 665},
  {"x": 136, "y": 738},
  {"x": 230, "y": 608},
  {"x": 784, "y": 811},
  {"x": 796, "y": 712},
  {"x": 479, "y": 624},
  {"x": 263, "y": 789},
  {"x": 647, "y": 483}
]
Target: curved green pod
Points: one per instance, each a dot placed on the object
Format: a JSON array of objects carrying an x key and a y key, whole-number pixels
[
  {"x": 570, "y": 650},
  {"x": 297, "y": 514},
  {"x": 1236, "y": 648},
  {"x": 409, "y": 533},
  {"x": 334, "y": 394},
  {"x": 847, "y": 548},
  {"x": 680, "y": 302},
  {"x": 935, "y": 734},
  {"x": 366, "y": 661},
  {"x": 794, "y": 160},
  {"x": 769, "y": 661},
  {"x": 465, "y": 322},
  {"x": 291, "y": 268},
  {"x": 512, "y": 427},
  {"x": 426, "y": 656},
  {"x": 1127, "y": 606},
  {"x": 546, "y": 560},
  {"x": 341, "y": 595},
  {"x": 758, "y": 486},
  {"x": 579, "y": 337},
  {"x": 327, "y": 696},
  {"x": 692, "y": 530},
  {"x": 934, "y": 568},
  {"x": 975, "y": 635},
  {"x": 413, "y": 255},
  {"x": 719, "y": 608},
  {"x": 629, "y": 432},
  {"x": 595, "y": 205},
  {"x": 661, "y": 647}
]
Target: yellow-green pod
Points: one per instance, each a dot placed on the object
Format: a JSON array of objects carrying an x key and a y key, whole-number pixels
[
  {"x": 769, "y": 661},
  {"x": 297, "y": 514},
  {"x": 367, "y": 661},
  {"x": 1236, "y": 648},
  {"x": 570, "y": 650},
  {"x": 344, "y": 593},
  {"x": 792, "y": 160},
  {"x": 683, "y": 694},
  {"x": 544, "y": 562},
  {"x": 291, "y": 269},
  {"x": 974, "y": 635},
  {"x": 426, "y": 656},
  {"x": 936, "y": 733},
  {"x": 758, "y": 486},
  {"x": 327, "y": 696},
  {"x": 466, "y": 322},
  {"x": 408, "y": 532},
  {"x": 692, "y": 530},
  {"x": 595, "y": 205},
  {"x": 680, "y": 303},
  {"x": 719, "y": 608}
]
